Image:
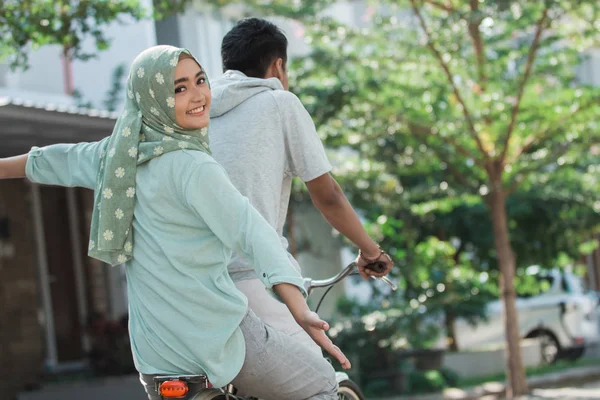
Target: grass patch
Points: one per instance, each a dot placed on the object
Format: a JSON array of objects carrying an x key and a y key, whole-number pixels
[{"x": 531, "y": 371}]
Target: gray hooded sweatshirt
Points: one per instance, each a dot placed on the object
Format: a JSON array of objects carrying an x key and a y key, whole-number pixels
[{"x": 263, "y": 136}]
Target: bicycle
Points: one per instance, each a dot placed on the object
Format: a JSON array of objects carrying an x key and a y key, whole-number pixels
[{"x": 197, "y": 387}]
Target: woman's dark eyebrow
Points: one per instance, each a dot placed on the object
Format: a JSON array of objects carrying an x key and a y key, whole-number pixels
[{"x": 180, "y": 80}]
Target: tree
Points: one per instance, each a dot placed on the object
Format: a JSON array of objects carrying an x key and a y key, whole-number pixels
[
  {"x": 480, "y": 95},
  {"x": 27, "y": 24}
]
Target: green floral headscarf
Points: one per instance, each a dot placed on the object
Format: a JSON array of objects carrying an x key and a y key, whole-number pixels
[{"x": 145, "y": 129}]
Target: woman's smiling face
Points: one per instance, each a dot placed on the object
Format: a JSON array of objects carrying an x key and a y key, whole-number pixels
[{"x": 192, "y": 95}]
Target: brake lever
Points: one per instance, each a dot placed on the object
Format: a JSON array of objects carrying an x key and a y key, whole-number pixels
[
  {"x": 379, "y": 267},
  {"x": 385, "y": 279}
]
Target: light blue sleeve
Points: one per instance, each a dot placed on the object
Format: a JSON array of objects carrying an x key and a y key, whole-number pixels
[
  {"x": 65, "y": 164},
  {"x": 231, "y": 217}
]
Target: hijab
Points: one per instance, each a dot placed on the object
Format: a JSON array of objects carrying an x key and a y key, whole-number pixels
[{"x": 146, "y": 129}]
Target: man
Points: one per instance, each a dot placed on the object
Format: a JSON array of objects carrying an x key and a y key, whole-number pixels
[{"x": 263, "y": 136}]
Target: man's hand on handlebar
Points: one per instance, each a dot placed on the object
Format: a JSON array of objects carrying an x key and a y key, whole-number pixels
[{"x": 376, "y": 265}]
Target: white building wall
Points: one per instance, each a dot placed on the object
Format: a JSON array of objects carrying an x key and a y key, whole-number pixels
[
  {"x": 44, "y": 74},
  {"x": 93, "y": 78},
  {"x": 201, "y": 31}
]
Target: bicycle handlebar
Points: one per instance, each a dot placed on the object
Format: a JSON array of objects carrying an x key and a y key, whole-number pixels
[{"x": 378, "y": 266}]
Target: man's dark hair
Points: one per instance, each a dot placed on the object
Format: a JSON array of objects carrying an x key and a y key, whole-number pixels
[{"x": 252, "y": 45}]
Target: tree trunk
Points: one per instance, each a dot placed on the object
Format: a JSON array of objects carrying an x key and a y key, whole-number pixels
[
  {"x": 67, "y": 71},
  {"x": 451, "y": 331},
  {"x": 516, "y": 383}
]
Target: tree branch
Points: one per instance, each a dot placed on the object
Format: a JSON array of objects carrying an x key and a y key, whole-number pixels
[
  {"x": 543, "y": 136},
  {"x": 460, "y": 177},
  {"x": 462, "y": 150},
  {"x": 528, "y": 67},
  {"x": 527, "y": 144},
  {"x": 525, "y": 172},
  {"x": 446, "y": 7},
  {"x": 446, "y": 69},
  {"x": 424, "y": 130},
  {"x": 478, "y": 46}
]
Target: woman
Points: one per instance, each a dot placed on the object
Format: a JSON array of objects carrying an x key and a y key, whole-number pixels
[{"x": 167, "y": 210}]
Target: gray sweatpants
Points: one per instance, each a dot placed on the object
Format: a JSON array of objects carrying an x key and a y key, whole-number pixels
[{"x": 276, "y": 367}]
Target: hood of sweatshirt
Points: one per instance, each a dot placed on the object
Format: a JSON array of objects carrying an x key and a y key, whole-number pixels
[{"x": 234, "y": 88}]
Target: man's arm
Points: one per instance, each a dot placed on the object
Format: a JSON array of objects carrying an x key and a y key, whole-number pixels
[
  {"x": 13, "y": 167},
  {"x": 307, "y": 160},
  {"x": 330, "y": 200}
]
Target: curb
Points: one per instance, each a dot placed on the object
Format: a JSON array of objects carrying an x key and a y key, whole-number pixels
[{"x": 578, "y": 375}]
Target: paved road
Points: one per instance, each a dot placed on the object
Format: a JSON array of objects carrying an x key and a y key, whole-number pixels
[{"x": 584, "y": 392}]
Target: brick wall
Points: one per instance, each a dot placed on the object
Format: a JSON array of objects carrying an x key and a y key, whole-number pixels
[{"x": 21, "y": 336}]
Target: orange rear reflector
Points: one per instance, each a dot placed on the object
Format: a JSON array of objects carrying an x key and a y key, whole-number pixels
[{"x": 173, "y": 389}]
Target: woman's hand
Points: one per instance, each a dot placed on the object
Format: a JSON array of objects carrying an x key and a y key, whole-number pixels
[
  {"x": 316, "y": 327},
  {"x": 13, "y": 167},
  {"x": 309, "y": 321}
]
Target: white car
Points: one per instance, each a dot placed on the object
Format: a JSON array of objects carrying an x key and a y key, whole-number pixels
[{"x": 564, "y": 317}]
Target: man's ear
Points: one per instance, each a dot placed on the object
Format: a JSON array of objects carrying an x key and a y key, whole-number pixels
[
  {"x": 276, "y": 69},
  {"x": 280, "y": 64},
  {"x": 272, "y": 70}
]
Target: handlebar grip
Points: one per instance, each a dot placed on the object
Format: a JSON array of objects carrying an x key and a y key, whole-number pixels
[{"x": 377, "y": 267}]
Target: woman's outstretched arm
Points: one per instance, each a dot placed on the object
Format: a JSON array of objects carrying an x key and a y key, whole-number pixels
[
  {"x": 59, "y": 164},
  {"x": 13, "y": 167}
]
